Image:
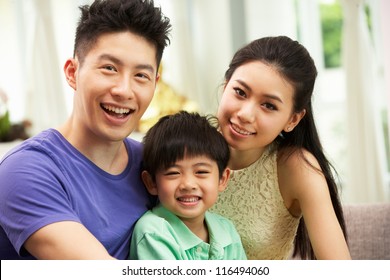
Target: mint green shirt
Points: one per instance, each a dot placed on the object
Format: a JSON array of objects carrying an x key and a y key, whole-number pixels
[{"x": 161, "y": 235}]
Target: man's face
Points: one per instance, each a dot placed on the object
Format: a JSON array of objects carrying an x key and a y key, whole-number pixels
[{"x": 114, "y": 86}]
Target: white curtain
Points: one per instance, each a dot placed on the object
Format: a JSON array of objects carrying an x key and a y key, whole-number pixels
[
  {"x": 46, "y": 105},
  {"x": 270, "y": 18},
  {"x": 12, "y": 72},
  {"x": 200, "y": 49},
  {"x": 366, "y": 154},
  {"x": 384, "y": 12}
]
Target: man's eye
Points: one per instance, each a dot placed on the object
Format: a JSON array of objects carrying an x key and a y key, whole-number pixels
[
  {"x": 143, "y": 76},
  {"x": 110, "y": 68}
]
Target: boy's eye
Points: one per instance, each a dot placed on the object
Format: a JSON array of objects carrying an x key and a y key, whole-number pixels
[
  {"x": 171, "y": 173},
  {"x": 202, "y": 172}
]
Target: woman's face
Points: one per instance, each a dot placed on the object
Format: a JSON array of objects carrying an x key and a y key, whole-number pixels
[{"x": 256, "y": 105}]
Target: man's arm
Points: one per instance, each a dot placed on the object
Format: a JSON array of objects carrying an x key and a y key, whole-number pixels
[{"x": 65, "y": 240}]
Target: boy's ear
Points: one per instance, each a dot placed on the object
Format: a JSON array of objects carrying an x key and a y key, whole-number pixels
[
  {"x": 224, "y": 179},
  {"x": 149, "y": 183}
]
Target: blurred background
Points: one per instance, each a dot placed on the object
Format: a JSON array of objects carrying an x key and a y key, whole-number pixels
[{"x": 348, "y": 39}]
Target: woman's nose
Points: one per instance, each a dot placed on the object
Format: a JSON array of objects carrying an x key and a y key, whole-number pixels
[{"x": 246, "y": 113}]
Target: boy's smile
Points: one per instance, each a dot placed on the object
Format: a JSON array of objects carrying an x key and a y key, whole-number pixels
[{"x": 190, "y": 187}]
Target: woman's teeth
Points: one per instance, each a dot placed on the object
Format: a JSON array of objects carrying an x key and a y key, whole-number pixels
[{"x": 244, "y": 132}]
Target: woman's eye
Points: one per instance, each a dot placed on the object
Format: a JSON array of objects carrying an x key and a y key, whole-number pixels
[
  {"x": 239, "y": 92},
  {"x": 270, "y": 106}
]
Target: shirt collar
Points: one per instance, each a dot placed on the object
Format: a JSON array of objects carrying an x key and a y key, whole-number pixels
[
  {"x": 184, "y": 234},
  {"x": 219, "y": 239}
]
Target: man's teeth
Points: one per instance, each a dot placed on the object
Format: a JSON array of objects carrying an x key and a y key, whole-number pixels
[
  {"x": 188, "y": 199},
  {"x": 117, "y": 110},
  {"x": 245, "y": 132}
]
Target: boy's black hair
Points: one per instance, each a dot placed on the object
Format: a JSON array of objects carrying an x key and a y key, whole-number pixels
[
  {"x": 183, "y": 134},
  {"x": 140, "y": 17}
]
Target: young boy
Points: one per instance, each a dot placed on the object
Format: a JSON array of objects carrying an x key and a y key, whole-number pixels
[{"x": 185, "y": 160}]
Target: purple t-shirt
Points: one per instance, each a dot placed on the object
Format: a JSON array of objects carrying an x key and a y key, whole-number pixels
[{"x": 46, "y": 180}]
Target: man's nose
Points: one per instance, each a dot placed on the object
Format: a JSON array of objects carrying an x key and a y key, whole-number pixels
[{"x": 123, "y": 88}]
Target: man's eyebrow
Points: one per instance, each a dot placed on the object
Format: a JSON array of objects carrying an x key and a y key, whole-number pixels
[
  {"x": 116, "y": 60},
  {"x": 111, "y": 58},
  {"x": 269, "y": 95},
  {"x": 147, "y": 67}
]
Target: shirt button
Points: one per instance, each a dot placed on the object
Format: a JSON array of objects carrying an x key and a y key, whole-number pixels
[{"x": 199, "y": 249}]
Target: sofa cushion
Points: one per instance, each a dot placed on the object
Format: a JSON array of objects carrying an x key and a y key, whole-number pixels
[{"x": 368, "y": 227}]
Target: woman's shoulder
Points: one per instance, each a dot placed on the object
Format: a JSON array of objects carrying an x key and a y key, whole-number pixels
[
  {"x": 298, "y": 159},
  {"x": 298, "y": 172}
]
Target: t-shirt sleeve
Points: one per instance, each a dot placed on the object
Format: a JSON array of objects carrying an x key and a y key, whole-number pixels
[
  {"x": 31, "y": 196},
  {"x": 154, "y": 239},
  {"x": 154, "y": 246}
]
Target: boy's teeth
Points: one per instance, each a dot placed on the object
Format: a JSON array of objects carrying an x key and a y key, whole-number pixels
[{"x": 188, "y": 199}]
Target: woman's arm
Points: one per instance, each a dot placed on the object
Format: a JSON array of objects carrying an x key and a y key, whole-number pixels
[{"x": 305, "y": 191}]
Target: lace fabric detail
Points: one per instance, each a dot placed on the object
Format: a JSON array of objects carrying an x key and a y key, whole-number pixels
[{"x": 252, "y": 201}]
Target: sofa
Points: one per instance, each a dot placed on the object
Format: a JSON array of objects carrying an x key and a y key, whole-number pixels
[{"x": 368, "y": 228}]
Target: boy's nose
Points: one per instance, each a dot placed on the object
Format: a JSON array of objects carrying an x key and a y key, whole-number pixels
[{"x": 187, "y": 184}]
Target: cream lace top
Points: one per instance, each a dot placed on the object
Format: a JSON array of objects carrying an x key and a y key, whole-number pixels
[{"x": 252, "y": 201}]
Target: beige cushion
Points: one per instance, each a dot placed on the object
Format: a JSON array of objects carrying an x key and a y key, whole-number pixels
[{"x": 368, "y": 227}]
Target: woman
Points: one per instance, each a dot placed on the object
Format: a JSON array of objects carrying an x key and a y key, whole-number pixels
[{"x": 282, "y": 188}]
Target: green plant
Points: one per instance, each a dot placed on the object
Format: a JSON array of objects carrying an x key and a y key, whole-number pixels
[
  {"x": 331, "y": 24},
  {"x": 5, "y": 126}
]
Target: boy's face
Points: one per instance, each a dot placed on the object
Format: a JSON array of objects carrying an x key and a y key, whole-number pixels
[
  {"x": 190, "y": 187},
  {"x": 113, "y": 86}
]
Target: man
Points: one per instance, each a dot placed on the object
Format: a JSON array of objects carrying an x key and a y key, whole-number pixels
[{"x": 75, "y": 192}]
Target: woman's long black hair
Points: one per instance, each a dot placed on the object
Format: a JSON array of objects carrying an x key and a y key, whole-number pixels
[{"x": 294, "y": 63}]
